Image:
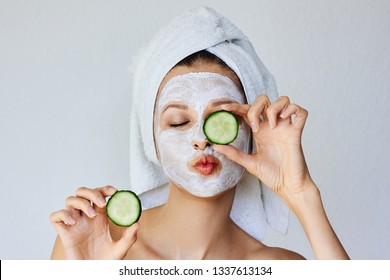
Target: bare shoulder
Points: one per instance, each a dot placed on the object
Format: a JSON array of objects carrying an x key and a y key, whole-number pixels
[
  {"x": 274, "y": 253},
  {"x": 253, "y": 249}
]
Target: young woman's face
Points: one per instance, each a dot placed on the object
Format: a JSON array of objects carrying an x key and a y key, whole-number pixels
[{"x": 185, "y": 100}]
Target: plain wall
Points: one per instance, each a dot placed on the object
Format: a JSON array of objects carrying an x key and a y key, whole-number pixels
[{"x": 64, "y": 106}]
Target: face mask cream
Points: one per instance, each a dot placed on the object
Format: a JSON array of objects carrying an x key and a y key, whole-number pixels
[{"x": 196, "y": 168}]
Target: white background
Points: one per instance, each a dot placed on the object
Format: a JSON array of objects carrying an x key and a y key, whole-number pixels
[
  {"x": 65, "y": 94},
  {"x": 197, "y": 270}
]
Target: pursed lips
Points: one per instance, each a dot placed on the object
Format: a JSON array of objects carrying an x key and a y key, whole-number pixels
[{"x": 206, "y": 164}]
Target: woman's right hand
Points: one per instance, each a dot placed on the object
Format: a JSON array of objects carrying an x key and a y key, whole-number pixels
[{"x": 83, "y": 227}]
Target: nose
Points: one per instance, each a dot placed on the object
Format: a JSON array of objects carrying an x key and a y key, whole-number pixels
[{"x": 200, "y": 144}]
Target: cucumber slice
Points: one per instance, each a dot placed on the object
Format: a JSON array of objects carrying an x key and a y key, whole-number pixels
[
  {"x": 221, "y": 127},
  {"x": 124, "y": 208}
]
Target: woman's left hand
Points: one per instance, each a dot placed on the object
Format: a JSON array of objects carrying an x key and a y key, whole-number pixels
[{"x": 279, "y": 161}]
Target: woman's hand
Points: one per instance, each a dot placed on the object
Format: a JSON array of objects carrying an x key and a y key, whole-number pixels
[
  {"x": 84, "y": 229},
  {"x": 280, "y": 164},
  {"x": 279, "y": 161}
]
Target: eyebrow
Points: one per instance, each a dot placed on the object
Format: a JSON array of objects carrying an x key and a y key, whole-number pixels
[
  {"x": 221, "y": 102},
  {"x": 178, "y": 106}
]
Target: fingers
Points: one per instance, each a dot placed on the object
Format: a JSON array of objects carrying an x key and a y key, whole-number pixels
[
  {"x": 84, "y": 197},
  {"x": 129, "y": 237},
  {"x": 256, "y": 111},
  {"x": 238, "y": 109},
  {"x": 236, "y": 155},
  {"x": 282, "y": 108},
  {"x": 251, "y": 113},
  {"x": 81, "y": 204},
  {"x": 300, "y": 113},
  {"x": 263, "y": 110},
  {"x": 97, "y": 196},
  {"x": 275, "y": 109},
  {"x": 62, "y": 216}
]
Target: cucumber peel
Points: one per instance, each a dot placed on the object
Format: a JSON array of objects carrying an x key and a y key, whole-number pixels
[{"x": 124, "y": 208}]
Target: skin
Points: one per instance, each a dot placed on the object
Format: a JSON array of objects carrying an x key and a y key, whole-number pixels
[{"x": 202, "y": 229}]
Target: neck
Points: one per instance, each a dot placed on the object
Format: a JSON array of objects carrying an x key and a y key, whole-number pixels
[{"x": 193, "y": 227}]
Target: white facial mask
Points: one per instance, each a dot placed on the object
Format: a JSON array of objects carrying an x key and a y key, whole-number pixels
[{"x": 175, "y": 145}]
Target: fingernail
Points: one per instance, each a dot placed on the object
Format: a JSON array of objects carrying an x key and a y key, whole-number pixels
[
  {"x": 70, "y": 221},
  {"x": 91, "y": 212},
  {"x": 271, "y": 123},
  {"x": 254, "y": 126},
  {"x": 101, "y": 202},
  {"x": 284, "y": 113},
  {"x": 113, "y": 188}
]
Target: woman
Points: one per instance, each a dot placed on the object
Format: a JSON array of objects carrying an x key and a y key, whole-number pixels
[{"x": 194, "y": 221}]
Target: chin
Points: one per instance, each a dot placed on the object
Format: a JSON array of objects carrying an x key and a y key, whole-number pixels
[{"x": 200, "y": 193}]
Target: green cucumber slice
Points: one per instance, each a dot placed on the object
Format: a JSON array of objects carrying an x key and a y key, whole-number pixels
[
  {"x": 221, "y": 127},
  {"x": 124, "y": 208}
]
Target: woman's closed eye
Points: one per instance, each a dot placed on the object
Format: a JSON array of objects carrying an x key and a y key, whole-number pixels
[{"x": 178, "y": 124}]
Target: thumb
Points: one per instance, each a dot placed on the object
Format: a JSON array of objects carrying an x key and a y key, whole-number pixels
[
  {"x": 129, "y": 237},
  {"x": 236, "y": 155}
]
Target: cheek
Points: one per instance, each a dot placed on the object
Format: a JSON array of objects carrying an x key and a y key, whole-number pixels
[
  {"x": 242, "y": 141},
  {"x": 174, "y": 145}
]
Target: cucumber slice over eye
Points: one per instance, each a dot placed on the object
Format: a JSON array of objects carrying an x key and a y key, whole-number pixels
[
  {"x": 124, "y": 208},
  {"x": 221, "y": 127}
]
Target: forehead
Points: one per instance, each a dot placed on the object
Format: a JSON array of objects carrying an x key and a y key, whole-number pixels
[
  {"x": 198, "y": 88},
  {"x": 200, "y": 67}
]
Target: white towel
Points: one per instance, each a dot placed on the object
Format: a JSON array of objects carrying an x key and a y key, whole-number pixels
[{"x": 198, "y": 29}]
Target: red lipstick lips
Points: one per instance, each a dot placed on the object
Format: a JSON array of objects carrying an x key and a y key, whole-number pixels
[{"x": 206, "y": 165}]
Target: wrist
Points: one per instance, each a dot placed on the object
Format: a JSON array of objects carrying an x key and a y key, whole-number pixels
[
  {"x": 306, "y": 201},
  {"x": 307, "y": 206}
]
